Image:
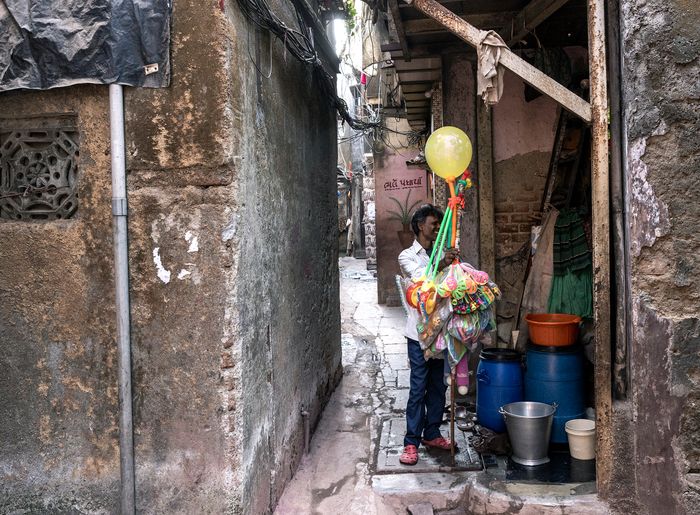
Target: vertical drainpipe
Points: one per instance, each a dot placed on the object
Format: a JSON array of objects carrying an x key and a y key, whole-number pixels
[
  {"x": 121, "y": 283},
  {"x": 600, "y": 185}
]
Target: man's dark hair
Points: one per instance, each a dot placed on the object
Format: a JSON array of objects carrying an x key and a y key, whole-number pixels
[{"x": 422, "y": 214}]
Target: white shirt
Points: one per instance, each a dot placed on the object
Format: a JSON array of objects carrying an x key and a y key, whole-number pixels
[{"x": 413, "y": 262}]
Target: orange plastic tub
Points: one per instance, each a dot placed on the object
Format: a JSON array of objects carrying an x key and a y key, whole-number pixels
[{"x": 553, "y": 329}]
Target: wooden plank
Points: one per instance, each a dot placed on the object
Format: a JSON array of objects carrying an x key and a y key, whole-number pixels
[
  {"x": 600, "y": 180},
  {"x": 414, "y": 96},
  {"x": 416, "y": 88},
  {"x": 482, "y": 21},
  {"x": 537, "y": 79},
  {"x": 484, "y": 182},
  {"x": 423, "y": 63},
  {"x": 621, "y": 265},
  {"x": 392, "y": 46},
  {"x": 546, "y": 85},
  {"x": 398, "y": 25},
  {"x": 533, "y": 14},
  {"x": 425, "y": 76},
  {"x": 438, "y": 48}
]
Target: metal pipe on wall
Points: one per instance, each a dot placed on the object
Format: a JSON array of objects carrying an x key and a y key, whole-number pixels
[
  {"x": 620, "y": 233},
  {"x": 121, "y": 283}
]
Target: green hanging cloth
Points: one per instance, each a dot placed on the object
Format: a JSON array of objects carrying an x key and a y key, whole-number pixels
[{"x": 572, "y": 281}]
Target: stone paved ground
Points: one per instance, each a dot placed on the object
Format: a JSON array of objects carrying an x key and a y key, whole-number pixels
[{"x": 338, "y": 474}]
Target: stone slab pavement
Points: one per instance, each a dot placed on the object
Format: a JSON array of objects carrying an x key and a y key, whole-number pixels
[
  {"x": 352, "y": 468},
  {"x": 339, "y": 475}
]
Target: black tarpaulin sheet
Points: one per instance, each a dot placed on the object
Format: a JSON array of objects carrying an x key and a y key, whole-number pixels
[{"x": 52, "y": 43}]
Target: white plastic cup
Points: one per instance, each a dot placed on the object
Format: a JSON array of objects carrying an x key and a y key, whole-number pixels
[{"x": 581, "y": 434}]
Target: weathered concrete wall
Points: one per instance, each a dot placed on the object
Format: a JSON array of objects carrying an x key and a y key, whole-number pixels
[
  {"x": 661, "y": 95},
  {"x": 58, "y": 396},
  {"x": 287, "y": 326},
  {"x": 233, "y": 279},
  {"x": 182, "y": 180},
  {"x": 523, "y": 135},
  {"x": 459, "y": 110}
]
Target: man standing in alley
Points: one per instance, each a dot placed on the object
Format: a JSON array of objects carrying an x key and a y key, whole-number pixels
[{"x": 426, "y": 399}]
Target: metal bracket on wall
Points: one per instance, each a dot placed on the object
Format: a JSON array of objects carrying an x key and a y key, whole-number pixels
[{"x": 119, "y": 206}]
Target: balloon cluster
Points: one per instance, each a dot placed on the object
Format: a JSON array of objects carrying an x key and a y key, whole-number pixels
[
  {"x": 455, "y": 311},
  {"x": 455, "y": 304}
]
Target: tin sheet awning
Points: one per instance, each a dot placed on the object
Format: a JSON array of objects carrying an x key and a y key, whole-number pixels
[{"x": 53, "y": 43}]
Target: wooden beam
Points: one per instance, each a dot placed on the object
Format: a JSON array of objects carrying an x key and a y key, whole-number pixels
[
  {"x": 435, "y": 49},
  {"x": 621, "y": 268},
  {"x": 600, "y": 186},
  {"x": 416, "y": 88},
  {"x": 537, "y": 79},
  {"x": 398, "y": 25},
  {"x": 484, "y": 181},
  {"x": 425, "y": 76},
  {"x": 482, "y": 21},
  {"x": 414, "y": 96},
  {"x": 530, "y": 17},
  {"x": 424, "y": 63}
]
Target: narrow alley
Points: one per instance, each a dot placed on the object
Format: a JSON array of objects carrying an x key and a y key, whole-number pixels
[
  {"x": 339, "y": 473},
  {"x": 225, "y": 227}
]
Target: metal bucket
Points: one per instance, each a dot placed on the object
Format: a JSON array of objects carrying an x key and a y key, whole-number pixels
[{"x": 529, "y": 426}]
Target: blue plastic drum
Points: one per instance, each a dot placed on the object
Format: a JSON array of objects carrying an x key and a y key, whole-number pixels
[
  {"x": 499, "y": 381},
  {"x": 555, "y": 374}
]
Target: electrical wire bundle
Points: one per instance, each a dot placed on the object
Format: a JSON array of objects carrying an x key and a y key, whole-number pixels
[{"x": 302, "y": 48}]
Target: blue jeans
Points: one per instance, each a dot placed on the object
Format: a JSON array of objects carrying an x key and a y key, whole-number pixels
[{"x": 426, "y": 399}]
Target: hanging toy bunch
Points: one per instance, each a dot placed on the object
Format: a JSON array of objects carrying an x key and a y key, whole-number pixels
[{"x": 455, "y": 304}]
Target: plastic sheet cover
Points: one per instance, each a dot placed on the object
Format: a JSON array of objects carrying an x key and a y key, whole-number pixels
[{"x": 53, "y": 43}]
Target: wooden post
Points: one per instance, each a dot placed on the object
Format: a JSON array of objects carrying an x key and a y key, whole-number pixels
[
  {"x": 484, "y": 188},
  {"x": 601, "y": 242},
  {"x": 453, "y": 377},
  {"x": 530, "y": 17},
  {"x": 400, "y": 32},
  {"x": 617, "y": 209}
]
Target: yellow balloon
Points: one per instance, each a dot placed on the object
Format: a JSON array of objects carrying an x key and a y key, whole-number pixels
[{"x": 448, "y": 152}]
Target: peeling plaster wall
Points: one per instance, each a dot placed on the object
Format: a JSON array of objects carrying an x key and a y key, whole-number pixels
[
  {"x": 661, "y": 92},
  {"x": 459, "y": 110},
  {"x": 286, "y": 346},
  {"x": 59, "y": 446},
  {"x": 523, "y": 136},
  {"x": 234, "y": 284}
]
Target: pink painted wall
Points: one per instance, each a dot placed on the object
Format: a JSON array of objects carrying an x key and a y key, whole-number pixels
[
  {"x": 523, "y": 139},
  {"x": 392, "y": 178},
  {"x": 521, "y": 127}
]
